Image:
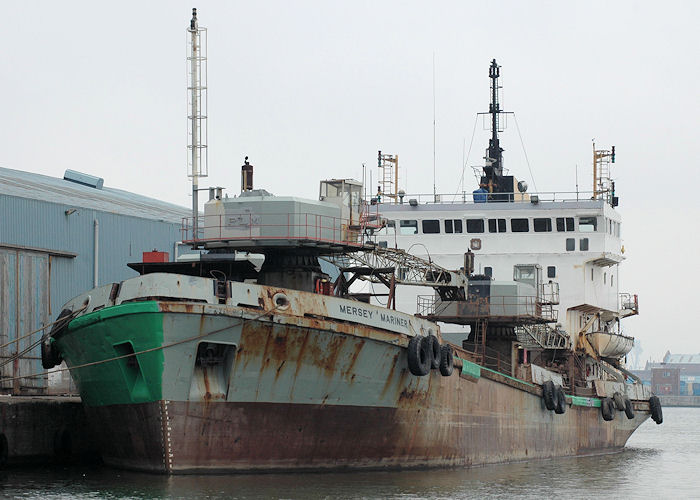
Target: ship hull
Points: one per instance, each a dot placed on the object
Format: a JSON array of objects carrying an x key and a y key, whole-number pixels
[
  {"x": 175, "y": 387},
  {"x": 496, "y": 424}
]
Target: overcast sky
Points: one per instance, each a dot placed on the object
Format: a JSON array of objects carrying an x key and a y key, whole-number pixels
[{"x": 311, "y": 90}]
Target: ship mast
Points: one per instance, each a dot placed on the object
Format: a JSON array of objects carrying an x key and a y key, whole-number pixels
[
  {"x": 499, "y": 187},
  {"x": 197, "y": 158},
  {"x": 494, "y": 153}
]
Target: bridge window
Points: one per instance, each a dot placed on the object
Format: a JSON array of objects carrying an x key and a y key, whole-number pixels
[
  {"x": 570, "y": 244},
  {"x": 497, "y": 225},
  {"x": 551, "y": 272},
  {"x": 475, "y": 225},
  {"x": 587, "y": 224},
  {"x": 408, "y": 227},
  {"x": 583, "y": 244},
  {"x": 542, "y": 225},
  {"x": 519, "y": 225},
  {"x": 431, "y": 226},
  {"x": 565, "y": 224},
  {"x": 453, "y": 225}
]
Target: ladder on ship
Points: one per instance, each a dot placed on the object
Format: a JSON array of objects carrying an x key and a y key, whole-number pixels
[
  {"x": 389, "y": 176},
  {"x": 603, "y": 185},
  {"x": 542, "y": 336}
]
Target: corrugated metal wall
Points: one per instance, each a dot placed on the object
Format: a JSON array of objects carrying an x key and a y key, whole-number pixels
[{"x": 35, "y": 283}]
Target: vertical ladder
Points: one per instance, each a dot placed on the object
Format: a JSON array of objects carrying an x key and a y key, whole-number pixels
[{"x": 388, "y": 176}]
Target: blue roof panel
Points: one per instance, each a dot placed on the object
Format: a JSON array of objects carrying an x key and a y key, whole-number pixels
[{"x": 43, "y": 187}]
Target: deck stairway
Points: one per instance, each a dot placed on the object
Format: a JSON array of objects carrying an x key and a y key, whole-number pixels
[{"x": 542, "y": 336}]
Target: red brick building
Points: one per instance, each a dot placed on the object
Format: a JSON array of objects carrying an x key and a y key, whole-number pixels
[{"x": 666, "y": 380}]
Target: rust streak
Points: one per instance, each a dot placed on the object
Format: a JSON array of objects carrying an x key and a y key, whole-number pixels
[
  {"x": 390, "y": 378},
  {"x": 359, "y": 344}
]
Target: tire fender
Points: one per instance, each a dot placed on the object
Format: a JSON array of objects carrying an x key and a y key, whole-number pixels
[
  {"x": 419, "y": 356},
  {"x": 548, "y": 395},
  {"x": 446, "y": 360}
]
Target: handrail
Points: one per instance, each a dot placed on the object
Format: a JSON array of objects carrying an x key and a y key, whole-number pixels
[
  {"x": 467, "y": 197},
  {"x": 494, "y": 305}
]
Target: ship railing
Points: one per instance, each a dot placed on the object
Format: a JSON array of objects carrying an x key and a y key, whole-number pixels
[
  {"x": 549, "y": 293},
  {"x": 246, "y": 226},
  {"x": 468, "y": 197},
  {"x": 370, "y": 217},
  {"x": 488, "y": 357},
  {"x": 502, "y": 306},
  {"x": 629, "y": 304}
]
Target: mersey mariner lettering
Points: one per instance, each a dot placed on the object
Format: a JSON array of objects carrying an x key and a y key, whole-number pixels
[{"x": 367, "y": 313}]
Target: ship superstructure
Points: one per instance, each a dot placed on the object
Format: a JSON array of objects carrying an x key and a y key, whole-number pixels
[{"x": 571, "y": 240}]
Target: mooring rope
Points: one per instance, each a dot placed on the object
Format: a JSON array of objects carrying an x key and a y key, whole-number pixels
[
  {"x": 152, "y": 349},
  {"x": 43, "y": 328}
]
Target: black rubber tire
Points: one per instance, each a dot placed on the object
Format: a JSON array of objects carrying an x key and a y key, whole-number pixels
[
  {"x": 50, "y": 356},
  {"x": 419, "y": 356},
  {"x": 607, "y": 409},
  {"x": 60, "y": 326},
  {"x": 619, "y": 400},
  {"x": 629, "y": 411},
  {"x": 548, "y": 395},
  {"x": 560, "y": 400},
  {"x": 446, "y": 360},
  {"x": 657, "y": 415},
  {"x": 434, "y": 344}
]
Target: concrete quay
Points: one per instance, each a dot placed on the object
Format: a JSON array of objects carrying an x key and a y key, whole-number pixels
[
  {"x": 689, "y": 401},
  {"x": 42, "y": 429}
]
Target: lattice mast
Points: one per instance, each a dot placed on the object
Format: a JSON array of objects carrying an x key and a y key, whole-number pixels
[
  {"x": 494, "y": 153},
  {"x": 388, "y": 176},
  {"x": 603, "y": 185},
  {"x": 197, "y": 158}
]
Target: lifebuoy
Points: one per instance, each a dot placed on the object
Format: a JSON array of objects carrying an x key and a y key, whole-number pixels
[
  {"x": 560, "y": 400},
  {"x": 446, "y": 360},
  {"x": 607, "y": 409},
  {"x": 419, "y": 356},
  {"x": 548, "y": 395},
  {"x": 657, "y": 414}
]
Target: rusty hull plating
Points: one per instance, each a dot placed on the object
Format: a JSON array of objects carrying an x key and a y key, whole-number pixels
[{"x": 300, "y": 388}]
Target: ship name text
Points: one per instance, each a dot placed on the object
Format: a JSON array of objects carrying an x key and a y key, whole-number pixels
[{"x": 370, "y": 314}]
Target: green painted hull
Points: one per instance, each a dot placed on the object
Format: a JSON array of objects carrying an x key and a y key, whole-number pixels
[{"x": 110, "y": 333}]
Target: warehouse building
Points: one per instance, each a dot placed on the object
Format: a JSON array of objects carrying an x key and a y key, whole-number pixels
[
  {"x": 677, "y": 375},
  {"x": 58, "y": 238}
]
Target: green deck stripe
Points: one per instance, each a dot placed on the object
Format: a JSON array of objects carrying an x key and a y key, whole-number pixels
[
  {"x": 583, "y": 401},
  {"x": 470, "y": 369},
  {"x": 507, "y": 376}
]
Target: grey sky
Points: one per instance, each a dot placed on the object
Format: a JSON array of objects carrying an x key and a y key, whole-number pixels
[{"x": 311, "y": 90}]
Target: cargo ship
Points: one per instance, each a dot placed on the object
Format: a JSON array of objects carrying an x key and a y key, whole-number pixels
[{"x": 262, "y": 353}]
